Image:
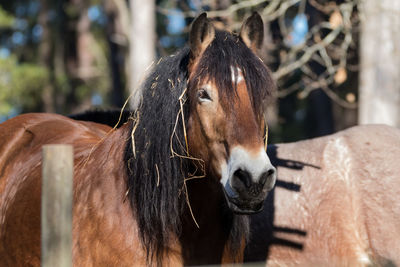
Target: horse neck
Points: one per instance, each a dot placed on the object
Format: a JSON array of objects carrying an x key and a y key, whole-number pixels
[{"x": 209, "y": 242}]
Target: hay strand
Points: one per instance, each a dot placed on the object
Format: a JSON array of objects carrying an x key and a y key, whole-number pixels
[
  {"x": 158, "y": 176},
  {"x": 183, "y": 119},
  {"x": 266, "y": 136}
]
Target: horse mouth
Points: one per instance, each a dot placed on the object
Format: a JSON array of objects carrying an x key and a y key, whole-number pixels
[{"x": 245, "y": 207}]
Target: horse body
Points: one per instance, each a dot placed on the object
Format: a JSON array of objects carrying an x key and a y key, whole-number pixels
[
  {"x": 167, "y": 188},
  {"x": 105, "y": 232},
  {"x": 95, "y": 228},
  {"x": 336, "y": 202}
]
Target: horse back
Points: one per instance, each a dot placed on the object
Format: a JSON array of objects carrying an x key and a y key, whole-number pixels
[{"x": 21, "y": 140}]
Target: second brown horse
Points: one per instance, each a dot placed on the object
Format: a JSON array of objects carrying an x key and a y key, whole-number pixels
[{"x": 336, "y": 202}]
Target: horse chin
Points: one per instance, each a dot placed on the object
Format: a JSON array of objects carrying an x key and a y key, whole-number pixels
[
  {"x": 242, "y": 206},
  {"x": 246, "y": 210}
]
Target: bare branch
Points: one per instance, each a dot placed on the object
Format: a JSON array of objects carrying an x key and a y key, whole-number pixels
[
  {"x": 329, "y": 42},
  {"x": 284, "y": 70}
]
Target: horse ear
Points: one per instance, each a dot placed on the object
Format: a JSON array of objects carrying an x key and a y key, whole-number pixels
[
  {"x": 252, "y": 32},
  {"x": 201, "y": 34}
]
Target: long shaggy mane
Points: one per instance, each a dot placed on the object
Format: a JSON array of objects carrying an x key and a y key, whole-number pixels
[{"x": 154, "y": 155}]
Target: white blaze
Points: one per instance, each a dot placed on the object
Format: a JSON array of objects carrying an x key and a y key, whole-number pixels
[{"x": 238, "y": 77}]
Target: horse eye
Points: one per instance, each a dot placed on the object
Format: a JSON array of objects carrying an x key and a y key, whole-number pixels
[{"x": 203, "y": 95}]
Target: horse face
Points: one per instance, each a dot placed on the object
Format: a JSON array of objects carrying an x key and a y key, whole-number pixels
[{"x": 228, "y": 134}]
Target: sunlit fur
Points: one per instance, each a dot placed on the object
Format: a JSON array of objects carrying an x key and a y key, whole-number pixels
[
  {"x": 156, "y": 193},
  {"x": 336, "y": 202}
]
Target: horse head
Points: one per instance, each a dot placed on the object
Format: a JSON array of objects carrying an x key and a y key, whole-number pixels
[{"x": 227, "y": 88}]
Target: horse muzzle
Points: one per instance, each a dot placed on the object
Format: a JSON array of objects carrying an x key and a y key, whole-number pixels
[
  {"x": 246, "y": 194},
  {"x": 246, "y": 179}
]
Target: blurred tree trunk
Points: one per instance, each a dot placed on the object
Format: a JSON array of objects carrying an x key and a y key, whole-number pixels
[
  {"x": 116, "y": 52},
  {"x": 64, "y": 51},
  {"x": 380, "y": 60},
  {"x": 83, "y": 67},
  {"x": 142, "y": 43},
  {"x": 60, "y": 22},
  {"x": 73, "y": 29},
  {"x": 46, "y": 55},
  {"x": 319, "y": 115},
  {"x": 51, "y": 52}
]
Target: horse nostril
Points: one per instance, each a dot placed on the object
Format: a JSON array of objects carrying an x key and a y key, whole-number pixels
[
  {"x": 265, "y": 176},
  {"x": 244, "y": 177}
]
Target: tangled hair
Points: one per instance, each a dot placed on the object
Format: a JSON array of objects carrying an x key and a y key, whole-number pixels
[
  {"x": 155, "y": 177},
  {"x": 155, "y": 170}
]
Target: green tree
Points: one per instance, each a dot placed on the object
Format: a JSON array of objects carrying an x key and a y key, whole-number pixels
[
  {"x": 20, "y": 85},
  {"x": 6, "y": 19}
]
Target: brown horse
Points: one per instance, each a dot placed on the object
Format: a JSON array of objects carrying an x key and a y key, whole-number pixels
[
  {"x": 172, "y": 185},
  {"x": 336, "y": 202}
]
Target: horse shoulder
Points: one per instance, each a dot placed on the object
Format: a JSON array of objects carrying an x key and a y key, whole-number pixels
[
  {"x": 102, "y": 220},
  {"x": 104, "y": 226}
]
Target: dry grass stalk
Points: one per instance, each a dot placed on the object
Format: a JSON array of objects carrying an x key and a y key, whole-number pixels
[
  {"x": 183, "y": 119},
  {"x": 190, "y": 207},
  {"x": 126, "y": 195},
  {"x": 266, "y": 136},
  {"x": 187, "y": 156},
  {"x": 158, "y": 176},
  {"x": 136, "y": 120}
]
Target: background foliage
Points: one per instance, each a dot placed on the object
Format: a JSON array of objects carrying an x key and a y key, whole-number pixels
[{"x": 66, "y": 56}]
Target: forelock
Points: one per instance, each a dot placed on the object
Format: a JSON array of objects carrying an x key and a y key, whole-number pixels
[{"x": 223, "y": 59}]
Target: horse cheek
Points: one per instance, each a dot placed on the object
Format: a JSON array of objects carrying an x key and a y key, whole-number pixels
[{"x": 197, "y": 147}]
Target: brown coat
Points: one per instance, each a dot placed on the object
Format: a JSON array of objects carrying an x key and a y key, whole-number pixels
[{"x": 336, "y": 202}]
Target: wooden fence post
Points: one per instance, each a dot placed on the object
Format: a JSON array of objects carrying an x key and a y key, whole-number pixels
[{"x": 57, "y": 181}]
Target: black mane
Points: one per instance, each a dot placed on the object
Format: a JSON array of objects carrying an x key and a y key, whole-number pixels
[
  {"x": 155, "y": 178},
  {"x": 155, "y": 175}
]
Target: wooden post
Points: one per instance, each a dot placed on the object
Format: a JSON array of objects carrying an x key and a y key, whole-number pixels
[{"x": 57, "y": 172}]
